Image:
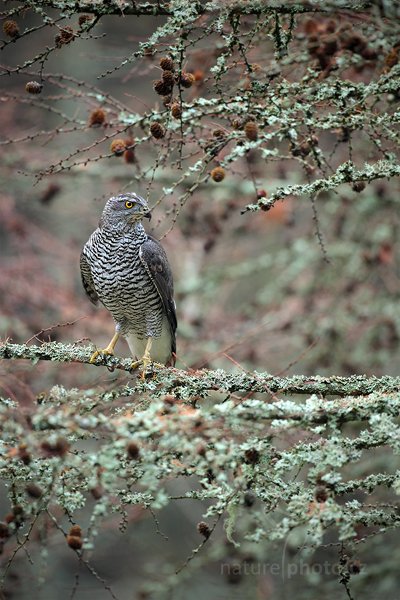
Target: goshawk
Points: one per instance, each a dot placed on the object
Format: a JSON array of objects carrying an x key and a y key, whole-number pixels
[{"x": 128, "y": 271}]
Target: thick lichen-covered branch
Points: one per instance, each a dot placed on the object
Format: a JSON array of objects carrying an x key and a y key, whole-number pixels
[
  {"x": 164, "y": 8},
  {"x": 186, "y": 384}
]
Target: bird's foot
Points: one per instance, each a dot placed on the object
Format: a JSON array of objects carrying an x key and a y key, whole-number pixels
[
  {"x": 105, "y": 352},
  {"x": 144, "y": 362},
  {"x": 109, "y": 351},
  {"x": 136, "y": 364}
]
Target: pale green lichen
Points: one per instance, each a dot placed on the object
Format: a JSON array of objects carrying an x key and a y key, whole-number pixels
[{"x": 168, "y": 447}]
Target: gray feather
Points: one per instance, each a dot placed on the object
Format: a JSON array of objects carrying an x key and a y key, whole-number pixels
[
  {"x": 155, "y": 261},
  {"x": 87, "y": 279}
]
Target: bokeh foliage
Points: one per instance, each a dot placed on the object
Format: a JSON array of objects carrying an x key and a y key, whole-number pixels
[{"x": 266, "y": 135}]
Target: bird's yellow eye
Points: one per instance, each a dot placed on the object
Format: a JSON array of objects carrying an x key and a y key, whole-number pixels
[{"x": 128, "y": 204}]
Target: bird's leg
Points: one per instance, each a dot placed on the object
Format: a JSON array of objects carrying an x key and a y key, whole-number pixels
[
  {"x": 146, "y": 358},
  {"x": 109, "y": 350}
]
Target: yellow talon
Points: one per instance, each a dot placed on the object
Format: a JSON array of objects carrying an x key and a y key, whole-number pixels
[
  {"x": 136, "y": 364},
  {"x": 109, "y": 351},
  {"x": 97, "y": 353},
  {"x": 144, "y": 362}
]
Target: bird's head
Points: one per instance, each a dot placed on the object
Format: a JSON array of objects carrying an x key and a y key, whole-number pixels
[{"x": 125, "y": 209}]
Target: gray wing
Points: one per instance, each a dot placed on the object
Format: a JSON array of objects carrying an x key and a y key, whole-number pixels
[
  {"x": 87, "y": 279},
  {"x": 155, "y": 261}
]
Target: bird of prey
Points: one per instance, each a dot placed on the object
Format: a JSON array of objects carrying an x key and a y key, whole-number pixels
[{"x": 128, "y": 271}]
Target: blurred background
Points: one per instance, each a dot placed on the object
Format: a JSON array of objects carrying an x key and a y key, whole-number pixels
[{"x": 310, "y": 286}]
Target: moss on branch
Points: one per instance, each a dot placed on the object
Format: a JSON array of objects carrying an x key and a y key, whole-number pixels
[
  {"x": 346, "y": 173},
  {"x": 185, "y": 384},
  {"x": 249, "y": 7},
  {"x": 109, "y": 451}
]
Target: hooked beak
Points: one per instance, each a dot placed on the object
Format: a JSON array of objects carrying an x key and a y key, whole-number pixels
[{"x": 139, "y": 216}]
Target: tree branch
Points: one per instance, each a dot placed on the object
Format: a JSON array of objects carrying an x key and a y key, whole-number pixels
[
  {"x": 186, "y": 384},
  {"x": 253, "y": 7},
  {"x": 345, "y": 173}
]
